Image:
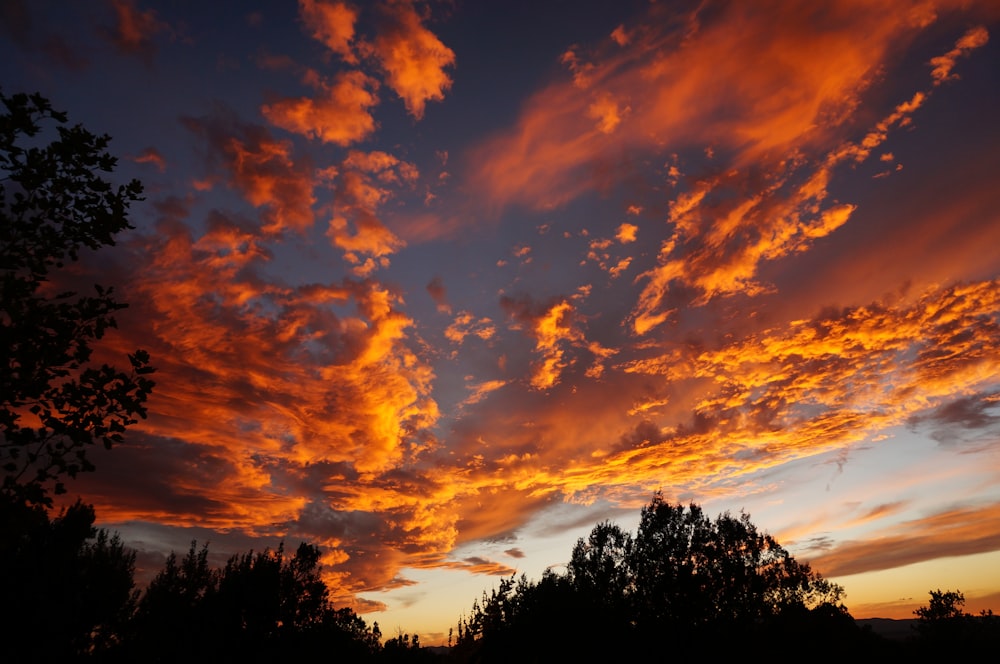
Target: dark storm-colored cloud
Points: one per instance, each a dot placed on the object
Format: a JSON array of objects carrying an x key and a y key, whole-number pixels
[
  {"x": 954, "y": 421},
  {"x": 158, "y": 479}
]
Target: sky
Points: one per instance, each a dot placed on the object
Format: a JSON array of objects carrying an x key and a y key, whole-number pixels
[{"x": 438, "y": 286}]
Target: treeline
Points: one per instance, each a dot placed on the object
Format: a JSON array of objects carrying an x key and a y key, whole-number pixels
[
  {"x": 684, "y": 582},
  {"x": 687, "y": 586},
  {"x": 69, "y": 594}
]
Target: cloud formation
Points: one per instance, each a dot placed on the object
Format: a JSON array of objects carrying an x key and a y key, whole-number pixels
[
  {"x": 332, "y": 23},
  {"x": 134, "y": 29},
  {"x": 261, "y": 167},
  {"x": 413, "y": 58},
  {"x": 734, "y": 241},
  {"x": 341, "y": 114},
  {"x": 962, "y": 531}
]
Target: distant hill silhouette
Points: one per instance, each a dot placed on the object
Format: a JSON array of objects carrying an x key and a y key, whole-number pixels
[{"x": 890, "y": 628}]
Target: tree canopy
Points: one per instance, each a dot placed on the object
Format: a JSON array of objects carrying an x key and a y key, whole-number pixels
[
  {"x": 944, "y": 626},
  {"x": 54, "y": 203},
  {"x": 691, "y": 573},
  {"x": 258, "y": 604},
  {"x": 67, "y": 587},
  {"x": 683, "y": 579}
]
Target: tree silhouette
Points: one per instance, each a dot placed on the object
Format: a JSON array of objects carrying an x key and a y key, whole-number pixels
[
  {"x": 684, "y": 582},
  {"x": 67, "y": 588},
  {"x": 172, "y": 616},
  {"x": 694, "y": 577},
  {"x": 599, "y": 565},
  {"x": 259, "y": 605},
  {"x": 54, "y": 203},
  {"x": 944, "y": 627}
]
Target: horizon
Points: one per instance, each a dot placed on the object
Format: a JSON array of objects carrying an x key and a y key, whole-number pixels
[{"x": 438, "y": 286}]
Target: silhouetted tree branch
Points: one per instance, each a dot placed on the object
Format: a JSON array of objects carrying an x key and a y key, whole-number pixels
[{"x": 54, "y": 203}]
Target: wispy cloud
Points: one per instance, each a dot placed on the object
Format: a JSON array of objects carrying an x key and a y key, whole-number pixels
[{"x": 958, "y": 532}]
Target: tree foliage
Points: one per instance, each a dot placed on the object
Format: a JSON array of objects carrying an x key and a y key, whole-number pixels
[
  {"x": 55, "y": 203},
  {"x": 69, "y": 595},
  {"x": 683, "y": 578},
  {"x": 944, "y": 625},
  {"x": 258, "y": 604},
  {"x": 67, "y": 588},
  {"x": 693, "y": 573}
]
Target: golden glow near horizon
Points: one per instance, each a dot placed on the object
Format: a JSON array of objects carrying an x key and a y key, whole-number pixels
[{"x": 440, "y": 307}]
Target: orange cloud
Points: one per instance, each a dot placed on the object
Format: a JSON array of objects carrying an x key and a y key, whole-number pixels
[
  {"x": 477, "y": 565},
  {"x": 265, "y": 382},
  {"x": 481, "y": 390},
  {"x": 869, "y": 368},
  {"x": 341, "y": 115},
  {"x": 465, "y": 324},
  {"x": 413, "y": 58},
  {"x": 552, "y": 327},
  {"x": 626, "y": 233},
  {"x": 752, "y": 405},
  {"x": 331, "y": 23},
  {"x": 718, "y": 248},
  {"x": 272, "y": 388},
  {"x": 135, "y": 29},
  {"x": 944, "y": 64},
  {"x": 619, "y": 36},
  {"x": 262, "y": 168},
  {"x": 384, "y": 166},
  {"x": 580, "y": 70},
  {"x": 598, "y": 251},
  {"x": 742, "y": 80},
  {"x": 607, "y": 112},
  {"x": 151, "y": 156},
  {"x": 957, "y": 532},
  {"x": 359, "y": 192},
  {"x": 739, "y": 80},
  {"x": 761, "y": 401}
]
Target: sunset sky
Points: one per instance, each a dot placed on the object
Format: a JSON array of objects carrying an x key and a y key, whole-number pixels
[{"x": 440, "y": 285}]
